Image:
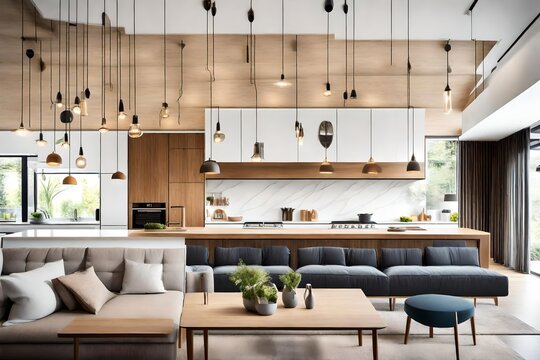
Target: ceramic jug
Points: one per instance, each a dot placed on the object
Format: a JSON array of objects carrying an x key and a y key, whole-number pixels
[{"x": 309, "y": 299}]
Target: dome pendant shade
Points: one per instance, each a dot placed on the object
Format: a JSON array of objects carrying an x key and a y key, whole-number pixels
[
  {"x": 69, "y": 180},
  {"x": 258, "y": 152},
  {"x": 66, "y": 116},
  {"x": 21, "y": 130},
  {"x": 371, "y": 167},
  {"x": 118, "y": 176},
  {"x": 209, "y": 167},
  {"x": 53, "y": 159},
  {"x": 413, "y": 165},
  {"x": 326, "y": 168}
]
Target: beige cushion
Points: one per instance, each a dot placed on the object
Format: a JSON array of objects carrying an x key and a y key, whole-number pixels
[
  {"x": 140, "y": 278},
  {"x": 87, "y": 289},
  {"x": 32, "y": 293},
  {"x": 65, "y": 295}
]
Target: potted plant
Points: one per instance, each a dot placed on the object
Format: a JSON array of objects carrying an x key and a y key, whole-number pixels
[
  {"x": 290, "y": 281},
  {"x": 249, "y": 279},
  {"x": 267, "y": 295},
  {"x": 37, "y": 217}
]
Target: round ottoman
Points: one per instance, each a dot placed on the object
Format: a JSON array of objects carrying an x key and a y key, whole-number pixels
[{"x": 439, "y": 311}]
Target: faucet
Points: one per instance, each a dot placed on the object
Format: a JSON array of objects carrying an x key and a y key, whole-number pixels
[{"x": 75, "y": 216}]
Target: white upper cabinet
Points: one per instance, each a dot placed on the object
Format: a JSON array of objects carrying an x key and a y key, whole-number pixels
[
  {"x": 108, "y": 152},
  {"x": 231, "y": 125},
  {"x": 312, "y": 150},
  {"x": 114, "y": 199},
  {"x": 352, "y": 135},
  {"x": 276, "y": 131},
  {"x": 389, "y": 135},
  {"x": 247, "y": 117}
]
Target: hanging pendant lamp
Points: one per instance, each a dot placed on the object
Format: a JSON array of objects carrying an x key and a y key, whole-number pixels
[
  {"x": 82, "y": 99},
  {"x": 258, "y": 147},
  {"x": 210, "y": 166},
  {"x": 412, "y": 165},
  {"x": 164, "y": 111},
  {"x": 66, "y": 116},
  {"x": 447, "y": 91},
  {"x": 282, "y": 82},
  {"x": 326, "y": 167},
  {"x": 328, "y": 7},
  {"x": 346, "y": 92},
  {"x": 354, "y": 95},
  {"x": 76, "y": 108},
  {"x": 219, "y": 136},
  {"x": 371, "y": 167},
  {"x": 121, "y": 109},
  {"x": 69, "y": 180},
  {"x": 103, "y": 128},
  {"x": 298, "y": 128},
  {"x": 21, "y": 130},
  {"x": 58, "y": 99},
  {"x": 134, "y": 130},
  {"x": 53, "y": 159},
  {"x": 181, "y": 89},
  {"x": 41, "y": 141}
]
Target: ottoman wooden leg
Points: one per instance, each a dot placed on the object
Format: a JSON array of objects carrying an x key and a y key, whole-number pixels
[
  {"x": 393, "y": 304},
  {"x": 205, "y": 339},
  {"x": 496, "y": 300},
  {"x": 359, "y": 337},
  {"x": 431, "y": 331},
  {"x": 456, "y": 337},
  {"x": 474, "y": 302},
  {"x": 407, "y": 328},
  {"x": 390, "y": 303},
  {"x": 473, "y": 330}
]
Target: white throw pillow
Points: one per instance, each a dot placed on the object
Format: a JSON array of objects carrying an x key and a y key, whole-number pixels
[
  {"x": 32, "y": 293},
  {"x": 142, "y": 278}
]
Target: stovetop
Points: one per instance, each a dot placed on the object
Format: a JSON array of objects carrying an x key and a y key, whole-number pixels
[
  {"x": 263, "y": 225},
  {"x": 352, "y": 225}
]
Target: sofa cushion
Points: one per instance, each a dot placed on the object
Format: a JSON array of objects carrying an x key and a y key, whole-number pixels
[
  {"x": 140, "y": 278},
  {"x": 109, "y": 265},
  {"x": 167, "y": 306},
  {"x": 366, "y": 257},
  {"x": 32, "y": 293},
  {"x": 399, "y": 257},
  {"x": 321, "y": 256},
  {"x": 231, "y": 256},
  {"x": 222, "y": 282},
  {"x": 448, "y": 280},
  {"x": 4, "y": 301},
  {"x": 276, "y": 255},
  {"x": 195, "y": 281},
  {"x": 372, "y": 281},
  {"x": 437, "y": 256},
  {"x": 20, "y": 260},
  {"x": 67, "y": 297},
  {"x": 196, "y": 255}
]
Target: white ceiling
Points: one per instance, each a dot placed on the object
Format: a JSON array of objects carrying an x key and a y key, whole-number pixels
[{"x": 499, "y": 20}]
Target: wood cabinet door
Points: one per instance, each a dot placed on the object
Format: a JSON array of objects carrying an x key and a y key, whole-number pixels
[
  {"x": 190, "y": 195},
  {"x": 186, "y": 141},
  {"x": 184, "y": 165}
]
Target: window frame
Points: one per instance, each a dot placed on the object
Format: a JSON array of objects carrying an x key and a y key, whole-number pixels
[{"x": 24, "y": 182}]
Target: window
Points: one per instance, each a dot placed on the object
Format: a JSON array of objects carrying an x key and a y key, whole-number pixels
[
  {"x": 441, "y": 174},
  {"x": 534, "y": 210},
  {"x": 10, "y": 188},
  {"x": 59, "y": 201}
]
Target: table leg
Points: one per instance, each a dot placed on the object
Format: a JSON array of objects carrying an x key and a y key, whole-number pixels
[
  {"x": 189, "y": 344},
  {"x": 473, "y": 330},
  {"x": 456, "y": 337},
  {"x": 375, "y": 344},
  {"x": 431, "y": 331},
  {"x": 205, "y": 335},
  {"x": 407, "y": 328},
  {"x": 76, "y": 344},
  {"x": 359, "y": 337}
]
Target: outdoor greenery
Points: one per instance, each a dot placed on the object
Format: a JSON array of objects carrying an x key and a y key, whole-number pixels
[
  {"x": 441, "y": 171},
  {"x": 534, "y": 199},
  {"x": 49, "y": 189},
  {"x": 291, "y": 279},
  {"x": 535, "y": 252},
  {"x": 10, "y": 184},
  {"x": 249, "y": 279}
]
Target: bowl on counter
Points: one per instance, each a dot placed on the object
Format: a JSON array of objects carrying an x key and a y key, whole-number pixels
[{"x": 235, "y": 218}]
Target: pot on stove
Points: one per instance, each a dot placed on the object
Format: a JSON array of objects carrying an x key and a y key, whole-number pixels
[{"x": 364, "y": 218}]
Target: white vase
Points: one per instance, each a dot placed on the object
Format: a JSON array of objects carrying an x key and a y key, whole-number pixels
[{"x": 289, "y": 298}]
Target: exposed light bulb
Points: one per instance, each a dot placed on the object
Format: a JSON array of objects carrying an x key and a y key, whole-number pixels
[
  {"x": 59, "y": 103},
  {"x": 300, "y": 135},
  {"x": 258, "y": 152},
  {"x": 80, "y": 162},
  {"x": 135, "y": 130},
  {"x": 121, "y": 111},
  {"x": 21, "y": 130},
  {"x": 327, "y": 91},
  {"x": 164, "y": 112},
  {"x": 447, "y": 100},
  {"x": 84, "y": 107},
  {"x": 282, "y": 83},
  {"x": 219, "y": 136},
  {"x": 103, "y": 128},
  {"x": 41, "y": 141},
  {"x": 76, "y": 106}
]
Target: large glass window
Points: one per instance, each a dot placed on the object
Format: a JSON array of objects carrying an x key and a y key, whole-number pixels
[
  {"x": 10, "y": 188},
  {"x": 59, "y": 201},
  {"x": 534, "y": 203}
]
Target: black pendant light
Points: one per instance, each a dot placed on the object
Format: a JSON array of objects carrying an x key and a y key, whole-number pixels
[
  {"x": 258, "y": 147},
  {"x": 21, "y": 130},
  {"x": 371, "y": 167},
  {"x": 66, "y": 116},
  {"x": 164, "y": 111},
  {"x": 219, "y": 135},
  {"x": 118, "y": 175},
  {"x": 53, "y": 159},
  {"x": 282, "y": 82},
  {"x": 121, "y": 109},
  {"x": 328, "y": 7},
  {"x": 298, "y": 128},
  {"x": 326, "y": 167},
  {"x": 210, "y": 166},
  {"x": 134, "y": 130},
  {"x": 76, "y": 108},
  {"x": 83, "y": 103},
  {"x": 538, "y": 168},
  {"x": 181, "y": 89},
  {"x": 104, "y": 128},
  {"x": 447, "y": 90},
  {"x": 354, "y": 95},
  {"x": 346, "y": 92},
  {"x": 412, "y": 165},
  {"x": 58, "y": 100}
]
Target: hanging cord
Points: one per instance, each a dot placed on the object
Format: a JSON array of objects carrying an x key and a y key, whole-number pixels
[
  {"x": 370, "y": 133},
  {"x": 282, "y": 38},
  {"x": 327, "y": 47},
  {"x": 256, "y": 90},
  {"x": 134, "y": 63},
  {"x": 474, "y": 66},
  {"x": 51, "y": 92},
  {"x": 103, "y": 64},
  {"x": 181, "y": 90},
  {"x": 110, "y": 56},
  {"x": 40, "y": 92},
  {"x": 164, "y": 51},
  {"x": 83, "y": 55},
  {"x": 119, "y": 56},
  {"x": 345, "y": 93},
  {"x": 409, "y": 62},
  {"x": 76, "y": 47},
  {"x": 214, "y": 11},
  {"x": 59, "y": 47},
  {"x": 87, "y": 45},
  {"x": 129, "y": 71},
  {"x": 22, "y": 65},
  {"x": 447, "y": 64},
  {"x": 354, "y": 46},
  {"x": 251, "y": 17},
  {"x": 68, "y": 56},
  {"x": 391, "y": 32}
]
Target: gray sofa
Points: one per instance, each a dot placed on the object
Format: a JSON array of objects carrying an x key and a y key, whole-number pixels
[
  {"x": 334, "y": 267},
  {"x": 38, "y": 339},
  {"x": 274, "y": 260}
]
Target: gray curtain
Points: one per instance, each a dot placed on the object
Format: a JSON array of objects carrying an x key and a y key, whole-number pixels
[{"x": 494, "y": 195}]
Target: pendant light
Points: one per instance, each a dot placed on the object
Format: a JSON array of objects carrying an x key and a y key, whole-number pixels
[
  {"x": 258, "y": 147},
  {"x": 103, "y": 128},
  {"x": 69, "y": 180},
  {"x": 66, "y": 116},
  {"x": 447, "y": 90},
  {"x": 53, "y": 159},
  {"x": 76, "y": 108},
  {"x": 118, "y": 175},
  {"x": 354, "y": 95},
  {"x": 346, "y": 92},
  {"x": 134, "y": 130},
  {"x": 164, "y": 111},
  {"x": 82, "y": 99},
  {"x": 219, "y": 136},
  {"x": 58, "y": 100},
  {"x": 21, "y": 130},
  {"x": 282, "y": 83},
  {"x": 210, "y": 166},
  {"x": 181, "y": 89},
  {"x": 371, "y": 167},
  {"x": 121, "y": 110},
  {"x": 538, "y": 168},
  {"x": 412, "y": 165},
  {"x": 298, "y": 128},
  {"x": 328, "y": 7},
  {"x": 80, "y": 162},
  {"x": 41, "y": 141}
]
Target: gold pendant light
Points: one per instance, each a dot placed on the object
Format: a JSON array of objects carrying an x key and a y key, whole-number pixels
[{"x": 371, "y": 167}]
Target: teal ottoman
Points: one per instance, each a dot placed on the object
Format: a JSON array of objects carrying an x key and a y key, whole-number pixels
[{"x": 440, "y": 311}]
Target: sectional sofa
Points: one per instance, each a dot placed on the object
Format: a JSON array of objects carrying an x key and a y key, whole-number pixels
[{"x": 39, "y": 340}]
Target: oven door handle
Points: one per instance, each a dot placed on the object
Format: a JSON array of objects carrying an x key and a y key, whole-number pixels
[{"x": 149, "y": 210}]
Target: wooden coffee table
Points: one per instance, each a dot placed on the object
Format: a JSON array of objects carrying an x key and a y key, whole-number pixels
[
  {"x": 335, "y": 309},
  {"x": 95, "y": 327}
]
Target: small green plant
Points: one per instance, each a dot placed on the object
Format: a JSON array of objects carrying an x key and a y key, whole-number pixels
[
  {"x": 291, "y": 279},
  {"x": 405, "y": 219},
  {"x": 37, "y": 215},
  {"x": 535, "y": 252},
  {"x": 249, "y": 279},
  {"x": 267, "y": 293},
  {"x": 454, "y": 217},
  {"x": 154, "y": 226}
]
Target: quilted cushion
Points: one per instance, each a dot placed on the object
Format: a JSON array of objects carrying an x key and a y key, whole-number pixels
[
  {"x": 452, "y": 256},
  {"x": 398, "y": 257},
  {"x": 321, "y": 256},
  {"x": 366, "y": 257},
  {"x": 231, "y": 256},
  {"x": 196, "y": 255}
]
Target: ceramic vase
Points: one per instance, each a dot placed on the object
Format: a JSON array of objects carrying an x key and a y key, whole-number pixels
[
  {"x": 249, "y": 304},
  {"x": 289, "y": 298},
  {"x": 309, "y": 298},
  {"x": 266, "y": 309}
]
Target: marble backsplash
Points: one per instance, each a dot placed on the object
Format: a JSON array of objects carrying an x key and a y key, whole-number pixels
[{"x": 262, "y": 200}]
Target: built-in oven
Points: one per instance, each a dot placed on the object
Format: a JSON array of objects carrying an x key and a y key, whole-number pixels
[{"x": 143, "y": 213}]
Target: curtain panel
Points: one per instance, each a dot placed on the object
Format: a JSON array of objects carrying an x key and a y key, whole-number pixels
[{"x": 494, "y": 195}]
